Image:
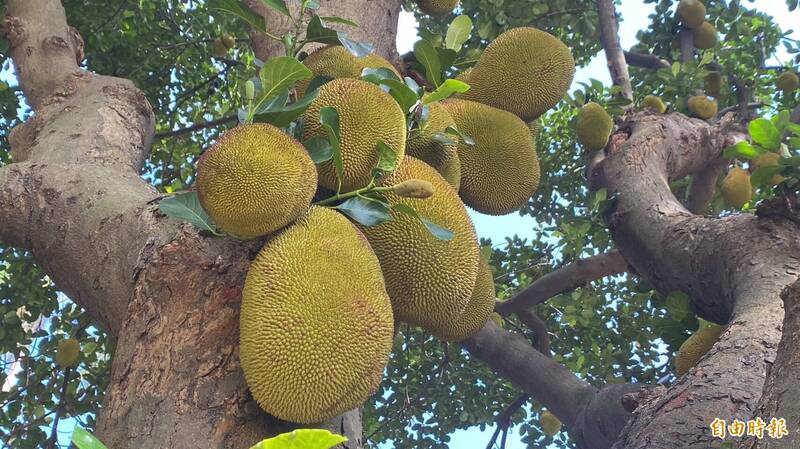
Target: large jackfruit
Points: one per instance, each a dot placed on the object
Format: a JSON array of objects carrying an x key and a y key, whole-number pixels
[
  {"x": 68, "y": 353},
  {"x": 593, "y": 126},
  {"x": 437, "y": 8},
  {"x": 534, "y": 126},
  {"x": 524, "y": 71},
  {"x": 692, "y": 13},
  {"x": 501, "y": 171},
  {"x": 479, "y": 309},
  {"x": 255, "y": 180},
  {"x": 696, "y": 346},
  {"x": 736, "y": 188},
  {"x": 424, "y": 144},
  {"x": 713, "y": 83},
  {"x": 788, "y": 81},
  {"x": 654, "y": 103},
  {"x": 702, "y": 107},
  {"x": 336, "y": 61},
  {"x": 430, "y": 281},
  {"x": 367, "y": 114},
  {"x": 705, "y": 36},
  {"x": 314, "y": 343}
]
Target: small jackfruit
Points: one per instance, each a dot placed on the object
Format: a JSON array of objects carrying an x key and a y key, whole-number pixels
[
  {"x": 500, "y": 172},
  {"x": 313, "y": 343},
  {"x": 713, "y": 83},
  {"x": 255, "y": 180},
  {"x": 414, "y": 188},
  {"x": 218, "y": 48},
  {"x": 696, "y": 346},
  {"x": 228, "y": 41},
  {"x": 68, "y": 353},
  {"x": 692, "y": 13},
  {"x": 593, "y": 126},
  {"x": 654, "y": 103},
  {"x": 336, "y": 61},
  {"x": 768, "y": 160},
  {"x": 367, "y": 114},
  {"x": 788, "y": 81},
  {"x": 426, "y": 143},
  {"x": 702, "y": 107},
  {"x": 479, "y": 309},
  {"x": 705, "y": 36},
  {"x": 430, "y": 281},
  {"x": 524, "y": 71},
  {"x": 549, "y": 423},
  {"x": 736, "y": 188},
  {"x": 437, "y": 8}
]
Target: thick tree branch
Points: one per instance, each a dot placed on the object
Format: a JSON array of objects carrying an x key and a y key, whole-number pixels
[
  {"x": 645, "y": 61},
  {"x": 609, "y": 37},
  {"x": 704, "y": 186}
]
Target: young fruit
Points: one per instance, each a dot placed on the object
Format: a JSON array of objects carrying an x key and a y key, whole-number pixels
[{"x": 736, "y": 188}]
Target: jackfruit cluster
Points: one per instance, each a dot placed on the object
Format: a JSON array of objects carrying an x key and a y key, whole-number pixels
[
  {"x": 525, "y": 71},
  {"x": 68, "y": 353},
  {"x": 696, "y": 346},
  {"x": 255, "y": 180},
  {"x": 692, "y": 13},
  {"x": 768, "y": 160},
  {"x": 313, "y": 342},
  {"x": 705, "y": 36},
  {"x": 437, "y": 8},
  {"x": 549, "y": 423},
  {"x": 425, "y": 144},
  {"x": 593, "y": 126},
  {"x": 713, "y": 83},
  {"x": 788, "y": 81},
  {"x": 736, "y": 188},
  {"x": 500, "y": 172},
  {"x": 702, "y": 107},
  {"x": 367, "y": 115},
  {"x": 653, "y": 103},
  {"x": 478, "y": 310},
  {"x": 336, "y": 61}
]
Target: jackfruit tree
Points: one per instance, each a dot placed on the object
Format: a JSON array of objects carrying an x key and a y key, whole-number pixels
[{"x": 224, "y": 220}]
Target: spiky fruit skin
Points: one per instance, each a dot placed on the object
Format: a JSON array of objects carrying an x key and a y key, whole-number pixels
[
  {"x": 736, "y": 188},
  {"x": 255, "y": 180},
  {"x": 705, "y": 36},
  {"x": 437, "y": 8},
  {"x": 498, "y": 320},
  {"x": 692, "y": 13},
  {"x": 313, "y": 344},
  {"x": 702, "y": 107},
  {"x": 439, "y": 155},
  {"x": 336, "y": 61},
  {"x": 367, "y": 114},
  {"x": 429, "y": 281},
  {"x": 696, "y": 346},
  {"x": 768, "y": 160},
  {"x": 524, "y": 71},
  {"x": 68, "y": 353},
  {"x": 593, "y": 126},
  {"x": 713, "y": 82},
  {"x": 788, "y": 81},
  {"x": 464, "y": 76},
  {"x": 534, "y": 126},
  {"x": 501, "y": 171},
  {"x": 653, "y": 103},
  {"x": 478, "y": 310},
  {"x": 549, "y": 423}
]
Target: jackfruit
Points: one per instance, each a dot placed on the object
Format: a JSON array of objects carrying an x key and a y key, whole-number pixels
[
  {"x": 336, "y": 61},
  {"x": 367, "y": 114},
  {"x": 702, "y": 107},
  {"x": 314, "y": 343},
  {"x": 424, "y": 144},
  {"x": 437, "y": 8},
  {"x": 713, "y": 83},
  {"x": 524, "y": 71},
  {"x": 768, "y": 160},
  {"x": 464, "y": 75},
  {"x": 692, "y": 13},
  {"x": 736, "y": 188},
  {"x": 696, "y": 346},
  {"x": 430, "y": 281},
  {"x": 549, "y": 423},
  {"x": 228, "y": 41},
  {"x": 501, "y": 171},
  {"x": 534, "y": 126},
  {"x": 255, "y": 180},
  {"x": 68, "y": 353},
  {"x": 479, "y": 309},
  {"x": 593, "y": 126},
  {"x": 498, "y": 320},
  {"x": 705, "y": 37},
  {"x": 654, "y": 103},
  {"x": 787, "y": 81},
  {"x": 218, "y": 48}
]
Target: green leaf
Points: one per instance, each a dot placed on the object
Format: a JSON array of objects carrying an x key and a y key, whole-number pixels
[
  {"x": 319, "y": 148},
  {"x": 458, "y": 32},
  {"x": 437, "y": 231},
  {"x": 240, "y": 10},
  {"x": 447, "y": 89},
  {"x": 302, "y": 439},
  {"x": 335, "y": 19},
  {"x": 281, "y": 73},
  {"x": 678, "y": 305},
  {"x": 377, "y": 74},
  {"x": 85, "y": 440},
  {"x": 318, "y": 32},
  {"x": 452, "y": 130},
  {"x": 358, "y": 49},
  {"x": 442, "y": 138},
  {"x": 284, "y": 115},
  {"x": 329, "y": 119},
  {"x": 741, "y": 150},
  {"x": 277, "y": 5},
  {"x": 387, "y": 157},
  {"x": 427, "y": 56},
  {"x": 401, "y": 93},
  {"x": 765, "y": 133},
  {"x": 364, "y": 211},
  {"x": 186, "y": 207},
  {"x": 317, "y": 82},
  {"x": 763, "y": 175}
]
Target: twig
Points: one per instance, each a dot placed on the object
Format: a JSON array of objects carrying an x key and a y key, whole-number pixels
[
  {"x": 53, "y": 440},
  {"x": 736, "y": 106},
  {"x": 197, "y": 127},
  {"x": 534, "y": 323},
  {"x": 505, "y": 418}
]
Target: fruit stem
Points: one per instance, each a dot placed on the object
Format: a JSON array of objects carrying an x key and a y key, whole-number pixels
[{"x": 344, "y": 196}]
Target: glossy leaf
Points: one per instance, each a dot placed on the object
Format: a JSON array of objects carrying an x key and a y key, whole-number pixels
[
  {"x": 458, "y": 32},
  {"x": 319, "y": 148},
  {"x": 765, "y": 133},
  {"x": 437, "y": 231},
  {"x": 364, "y": 211},
  {"x": 186, "y": 207},
  {"x": 302, "y": 439},
  {"x": 329, "y": 118},
  {"x": 85, "y": 440},
  {"x": 742, "y": 150},
  {"x": 277, "y": 5},
  {"x": 240, "y": 10},
  {"x": 281, "y": 73},
  {"x": 448, "y": 88},
  {"x": 283, "y": 115},
  {"x": 429, "y": 58}
]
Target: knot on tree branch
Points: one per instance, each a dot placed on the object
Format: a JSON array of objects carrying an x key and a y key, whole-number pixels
[
  {"x": 782, "y": 206},
  {"x": 601, "y": 421}
]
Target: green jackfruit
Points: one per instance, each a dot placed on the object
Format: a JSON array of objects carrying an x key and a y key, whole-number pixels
[
  {"x": 768, "y": 160},
  {"x": 68, "y": 353},
  {"x": 336, "y": 61},
  {"x": 498, "y": 319},
  {"x": 367, "y": 114},
  {"x": 313, "y": 343},
  {"x": 501, "y": 171},
  {"x": 437, "y": 8},
  {"x": 534, "y": 126},
  {"x": 479, "y": 309},
  {"x": 430, "y": 281},
  {"x": 705, "y": 37},
  {"x": 702, "y": 107},
  {"x": 464, "y": 75},
  {"x": 696, "y": 346},
  {"x": 218, "y": 48},
  {"x": 654, "y": 103},
  {"x": 787, "y": 81},
  {"x": 692, "y": 13},
  {"x": 228, "y": 41},
  {"x": 549, "y": 423},
  {"x": 736, "y": 188},
  {"x": 524, "y": 71},
  {"x": 713, "y": 83},
  {"x": 593, "y": 126},
  {"x": 255, "y": 180},
  {"x": 437, "y": 149}
]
